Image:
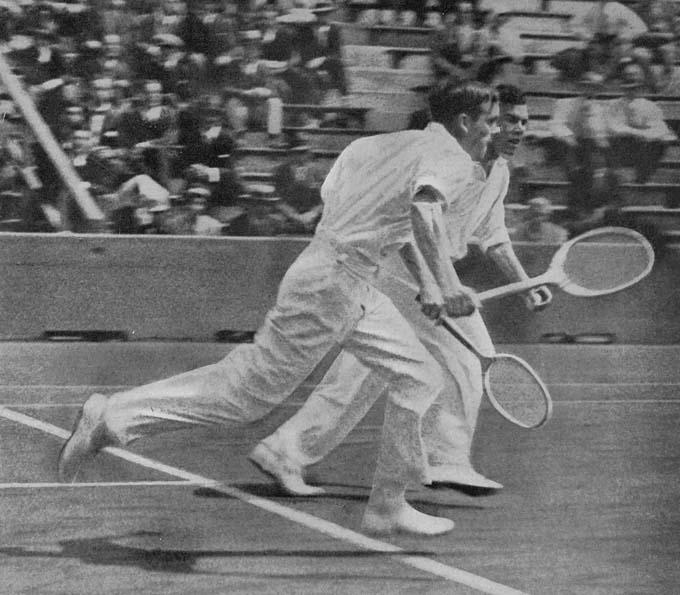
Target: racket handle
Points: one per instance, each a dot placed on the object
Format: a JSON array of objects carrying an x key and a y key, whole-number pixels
[{"x": 514, "y": 288}]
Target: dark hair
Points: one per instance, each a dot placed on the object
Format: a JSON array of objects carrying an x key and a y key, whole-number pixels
[
  {"x": 455, "y": 97},
  {"x": 510, "y": 95}
]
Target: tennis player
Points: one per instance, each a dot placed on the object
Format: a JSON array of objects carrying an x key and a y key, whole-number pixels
[
  {"x": 382, "y": 192},
  {"x": 349, "y": 389}
]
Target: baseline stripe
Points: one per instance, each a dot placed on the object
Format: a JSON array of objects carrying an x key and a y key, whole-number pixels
[
  {"x": 93, "y": 484},
  {"x": 307, "y": 520}
]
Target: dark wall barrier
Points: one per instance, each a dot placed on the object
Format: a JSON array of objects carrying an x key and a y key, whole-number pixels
[{"x": 155, "y": 287}]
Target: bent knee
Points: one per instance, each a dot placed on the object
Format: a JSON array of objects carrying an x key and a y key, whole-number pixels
[{"x": 420, "y": 388}]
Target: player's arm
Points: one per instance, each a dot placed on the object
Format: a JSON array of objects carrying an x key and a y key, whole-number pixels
[
  {"x": 429, "y": 295},
  {"x": 431, "y": 241},
  {"x": 504, "y": 256}
]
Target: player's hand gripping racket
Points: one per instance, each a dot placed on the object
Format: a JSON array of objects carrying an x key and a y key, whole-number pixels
[
  {"x": 597, "y": 262},
  {"x": 511, "y": 384}
]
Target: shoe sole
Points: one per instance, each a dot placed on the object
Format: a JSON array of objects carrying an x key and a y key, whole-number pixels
[
  {"x": 394, "y": 529},
  {"x": 279, "y": 483},
  {"x": 68, "y": 442},
  {"x": 467, "y": 489}
]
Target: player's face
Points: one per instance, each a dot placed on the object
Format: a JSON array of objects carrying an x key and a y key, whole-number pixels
[
  {"x": 513, "y": 123},
  {"x": 481, "y": 130}
]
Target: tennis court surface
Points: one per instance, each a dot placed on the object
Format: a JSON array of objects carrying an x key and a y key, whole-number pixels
[{"x": 590, "y": 503}]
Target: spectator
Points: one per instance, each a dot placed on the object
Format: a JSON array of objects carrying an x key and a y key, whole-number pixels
[
  {"x": 223, "y": 183},
  {"x": 536, "y": 225},
  {"x": 579, "y": 132},
  {"x": 299, "y": 192},
  {"x": 581, "y": 145},
  {"x": 658, "y": 45},
  {"x": 638, "y": 135},
  {"x": 446, "y": 50},
  {"x": 102, "y": 114},
  {"x": 114, "y": 65}
]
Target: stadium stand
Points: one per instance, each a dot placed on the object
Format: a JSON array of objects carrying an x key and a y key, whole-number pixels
[{"x": 275, "y": 107}]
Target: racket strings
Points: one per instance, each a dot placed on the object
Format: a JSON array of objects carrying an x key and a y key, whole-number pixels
[
  {"x": 516, "y": 391},
  {"x": 605, "y": 262}
]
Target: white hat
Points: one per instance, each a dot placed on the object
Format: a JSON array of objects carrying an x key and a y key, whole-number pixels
[
  {"x": 103, "y": 83},
  {"x": 297, "y": 16},
  {"x": 198, "y": 191},
  {"x": 252, "y": 34},
  {"x": 167, "y": 40}
]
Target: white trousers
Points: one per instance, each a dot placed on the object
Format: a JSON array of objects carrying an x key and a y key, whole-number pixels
[
  {"x": 323, "y": 300},
  {"x": 349, "y": 389}
]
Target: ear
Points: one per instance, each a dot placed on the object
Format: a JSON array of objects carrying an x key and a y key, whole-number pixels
[{"x": 461, "y": 124}]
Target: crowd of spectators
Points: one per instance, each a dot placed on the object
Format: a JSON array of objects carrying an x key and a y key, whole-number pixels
[
  {"x": 613, "y": 33},
  {"x": 603, "y": 143},
  {"x": 150, "y": 98},
  {"x": 151, "y": 101}
]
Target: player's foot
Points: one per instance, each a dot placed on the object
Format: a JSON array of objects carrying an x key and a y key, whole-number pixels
[
  {"x": 88, "y": 438},
  {"x": 286, "y": 473},
  {"x": 460, "y": 475},
  {"x": 405, "y": 519}
]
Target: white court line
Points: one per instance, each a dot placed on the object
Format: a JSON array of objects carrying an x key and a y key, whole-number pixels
[
  {"x": 297, "y": 405},
  {"x": 307, "y": 520},
  {"x": 613, "y": 401},
  {"x": 92, "y": 484}
]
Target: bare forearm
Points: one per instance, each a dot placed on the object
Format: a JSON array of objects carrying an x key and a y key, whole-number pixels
[
  {"x": 415, "y": 263},
  {"x": 505, "y": 258},
  {"x": 432, "y": 243}
]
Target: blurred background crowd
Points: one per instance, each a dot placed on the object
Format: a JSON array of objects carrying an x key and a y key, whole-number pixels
[{"x": 151, "y": 100}]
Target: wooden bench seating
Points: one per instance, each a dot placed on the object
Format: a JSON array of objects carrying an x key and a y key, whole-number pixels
[
  {"x": 352, "y": 34},
  {"x": 355, "y": 112},
  {"x": 649, "y": 195}
]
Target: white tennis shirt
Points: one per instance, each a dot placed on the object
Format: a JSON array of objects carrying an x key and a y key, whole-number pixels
[
  {"x": 369, "y": 191},
  {"x": 477, "y": 215}
]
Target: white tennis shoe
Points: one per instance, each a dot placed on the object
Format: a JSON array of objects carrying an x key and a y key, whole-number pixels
[
  {"x": 88, "y": 438},
  {"x": 404, "y": 519},
  {"x": 286, "y": 473},
  {"x": 460, "y": 475}
]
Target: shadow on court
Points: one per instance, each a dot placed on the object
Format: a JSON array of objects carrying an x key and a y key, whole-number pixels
[
  {"x": 349, "y": 493},
  {"x": 106, "y": 551}
]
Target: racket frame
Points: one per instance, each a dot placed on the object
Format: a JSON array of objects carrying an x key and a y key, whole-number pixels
[
  {"x": 486, "y": 362},
  {"x": 502, "y": 411},
  {"x": 555, "y": 275}
]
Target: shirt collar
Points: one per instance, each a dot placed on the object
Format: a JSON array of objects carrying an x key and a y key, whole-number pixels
[{"x": 441, "y": 132}]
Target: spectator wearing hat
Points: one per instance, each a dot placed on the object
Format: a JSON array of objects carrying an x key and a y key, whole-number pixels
[
  {"x": 204, "y": 223},
  {"x": 217, "y": 138},
  {"x": 90, "y": 59},
  {"x": 579, "y": 136},
  {"x": 51, "y": 103},
  {"x": 46, "y": 59},
  {"x": 299, "y": 192},
  {"x": 79, "y": 151},
  {"x": 101, "y": 115},
  {"x": 75, "y": 118},
  {"x": 224, "y": 184},
  {"x": 638, "y": 134},
  {"x": 296, "y": 44},
  {"x": 158, "y": 118},
  {"x": 172, "y": 64},
  {"x": 536, "y": 225},
  {"x": 188, "y": 215},
  {"x": 195, "y": 33},
  {"x": 446, "y": 52},
  {"x": 114, "y": 64},
  {"x": 78, "y": 22},
  {"x": 117, "y": 19},
  {"x": 659, "y": 44}
]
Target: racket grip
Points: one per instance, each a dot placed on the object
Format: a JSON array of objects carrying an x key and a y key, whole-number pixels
[{"x": 512, "y": 288}]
